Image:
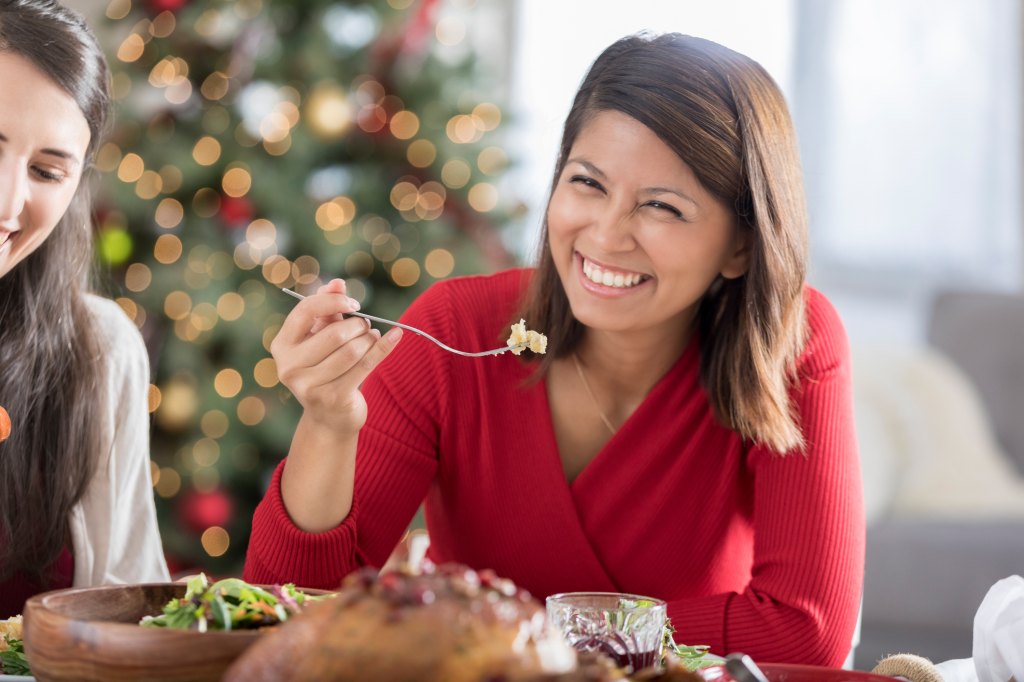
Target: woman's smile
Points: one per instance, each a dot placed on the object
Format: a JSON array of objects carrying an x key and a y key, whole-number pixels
[{"x": 605, "y": 280}]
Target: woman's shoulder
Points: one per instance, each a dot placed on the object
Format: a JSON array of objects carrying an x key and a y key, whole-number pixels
[
  {"x": 820, "y": 312},
  {"x": 112, "y": 323},
  {"x": 827, "y": 345},
  {"x": 119, "y": 338}
]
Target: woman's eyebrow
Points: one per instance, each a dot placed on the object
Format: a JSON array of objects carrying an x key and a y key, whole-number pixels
[
  {"x": 668, "y": 190},
  {"x": 647, "y": 190},
  {"x": 589, "y": 166},
  {"x": 59, "y": 153}
]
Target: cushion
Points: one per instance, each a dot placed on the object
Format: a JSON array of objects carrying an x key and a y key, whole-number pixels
[{"x": 926, "y": 443}]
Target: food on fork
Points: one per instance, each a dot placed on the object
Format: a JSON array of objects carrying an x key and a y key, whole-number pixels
[{"x": 535, "y": 341}]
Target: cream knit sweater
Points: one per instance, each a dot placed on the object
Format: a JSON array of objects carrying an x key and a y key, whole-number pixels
[{"x": 113, "y": 529}]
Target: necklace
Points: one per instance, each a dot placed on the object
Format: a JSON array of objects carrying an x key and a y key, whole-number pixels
[{"x": 586, "y": 385}]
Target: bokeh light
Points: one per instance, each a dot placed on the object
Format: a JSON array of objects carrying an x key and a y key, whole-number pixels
[
  {"x": 456, "y": 173},
  {"x": 421, "y": 153},
  {"x": 169, "y": 213},
  {"x": 237, "y": 182},
  {"x": 405, "y": 272},
  {"x": 137, "y": 277},
  {"x": 206, "y": 151},
  {"x": 251, "y": 410},
  {"x": 227, "y": 383},
  {"x": 439, "y": 263},
  {"x": 215, "y": 541},
  {"x": 265, "y": 373},
  {"x": 404, "y": 125},
  {"x": 130, "y": 168},
  {"x": 483, "y": 197}
]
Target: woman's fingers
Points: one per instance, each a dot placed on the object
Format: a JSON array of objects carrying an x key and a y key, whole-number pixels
[
  {"x": 323, "y": 357},
  {"x": 329, "y": 340},
  {"x": 335, "y": 286},
  {"x": 353, "y": 363},
  {"x": 300, "y": 321},
  {"x": 329, "y": 388}
]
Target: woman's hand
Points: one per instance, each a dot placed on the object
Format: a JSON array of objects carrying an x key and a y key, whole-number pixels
[{"x": 323, "y": 357}]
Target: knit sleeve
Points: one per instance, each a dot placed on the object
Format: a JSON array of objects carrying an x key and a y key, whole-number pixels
[
  {"x": 114, "y": 526},
  {"x": 801, "y": 603},
  {"x": 396, "y": 460}
]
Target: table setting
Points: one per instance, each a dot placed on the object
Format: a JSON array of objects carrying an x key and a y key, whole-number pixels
[{"x": 449, "y": 622}]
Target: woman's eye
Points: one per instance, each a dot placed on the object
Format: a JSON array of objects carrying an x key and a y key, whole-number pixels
[
  {"x": 584, "y": 180},
  {"x": 48, "y": 176},
  {"x": 668, "y": 208}
]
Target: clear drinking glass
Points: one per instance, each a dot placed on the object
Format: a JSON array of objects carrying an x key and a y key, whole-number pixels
[{"x": 628, "y": 628}]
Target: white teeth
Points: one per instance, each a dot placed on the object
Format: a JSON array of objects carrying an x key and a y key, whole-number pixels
[{"x": 616, "y": 280}]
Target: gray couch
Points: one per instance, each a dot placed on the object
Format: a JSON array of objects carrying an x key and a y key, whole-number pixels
[{"x": 927, "y": 572}]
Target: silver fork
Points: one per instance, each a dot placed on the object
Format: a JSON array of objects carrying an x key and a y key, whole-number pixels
[{"x": 414, "y": 330}]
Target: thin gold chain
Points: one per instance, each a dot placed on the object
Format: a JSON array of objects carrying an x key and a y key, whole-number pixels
[{"x": 586, "y": 385}]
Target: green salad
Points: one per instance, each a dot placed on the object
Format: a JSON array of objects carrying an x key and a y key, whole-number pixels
[
  {"x": 229, "y": 604},
  {"x": 12, "y": 659},
  {"x": 689, "y": 657}
]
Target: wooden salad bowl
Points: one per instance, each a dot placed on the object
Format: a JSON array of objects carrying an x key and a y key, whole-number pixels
[{"x": 91, "y": 634}]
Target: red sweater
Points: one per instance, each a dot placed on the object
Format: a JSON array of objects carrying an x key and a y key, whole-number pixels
[
  {"x": 18, "y": 588},
  {"x": 754, "y": 552}
]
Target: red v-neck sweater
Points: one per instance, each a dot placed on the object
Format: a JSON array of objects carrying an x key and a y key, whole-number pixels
[{"x": 754, "y": 552}]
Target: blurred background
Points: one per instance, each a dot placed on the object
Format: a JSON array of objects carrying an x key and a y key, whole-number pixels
[{"x": 270, "y": 143}]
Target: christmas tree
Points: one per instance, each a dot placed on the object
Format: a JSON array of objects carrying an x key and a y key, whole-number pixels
[{"x": 263, "y": 144}]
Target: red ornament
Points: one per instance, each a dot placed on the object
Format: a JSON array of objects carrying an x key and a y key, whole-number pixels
[
  {"x": 235, "y": 212},
  {"x": 198, "y": 511},
  {"x": 417, "y": 31},
  {"x": 158, "y": 6}
]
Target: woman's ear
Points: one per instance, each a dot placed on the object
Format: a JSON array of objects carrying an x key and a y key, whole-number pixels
[{"x": 738, "y": 261}]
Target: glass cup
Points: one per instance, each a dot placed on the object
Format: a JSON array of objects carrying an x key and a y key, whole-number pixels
[{"x": 628, "y": 628}]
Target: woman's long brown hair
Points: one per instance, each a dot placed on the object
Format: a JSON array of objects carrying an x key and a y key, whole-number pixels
[
  {"x": 52, "y": 379},
  {"x": 725, "y": 117}
]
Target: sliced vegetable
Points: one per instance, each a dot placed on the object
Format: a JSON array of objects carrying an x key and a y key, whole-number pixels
[{"x": 228, "y": 604}]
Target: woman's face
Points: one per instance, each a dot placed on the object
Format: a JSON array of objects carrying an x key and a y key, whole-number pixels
[
  {"x": 635, "y": 238},
  {"x": 43, "y": 140}
]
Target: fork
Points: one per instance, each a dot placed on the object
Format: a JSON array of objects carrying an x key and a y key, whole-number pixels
[{"x": 414, "y": 330}]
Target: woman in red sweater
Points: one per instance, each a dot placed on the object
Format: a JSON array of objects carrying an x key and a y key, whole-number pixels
[{"x": 689, "y": 435}]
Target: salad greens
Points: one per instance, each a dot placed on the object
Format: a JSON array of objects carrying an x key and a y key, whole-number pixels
[
  {"x": 229, "y": 604},
  {"x": 12, "y": 660},
  {"x": 689, "y": 657}
]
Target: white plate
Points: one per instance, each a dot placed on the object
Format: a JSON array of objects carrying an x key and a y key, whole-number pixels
[{"x": 16, "y": 678}]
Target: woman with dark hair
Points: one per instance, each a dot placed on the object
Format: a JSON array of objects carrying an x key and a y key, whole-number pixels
[
  {"x": 689, "y": 435},
  {"x": 76, "y": 504}
]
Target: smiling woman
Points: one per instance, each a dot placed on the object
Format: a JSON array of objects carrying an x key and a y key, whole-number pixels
[
  {"x": 43, "y": 140},
  {"x": 687, "y": 436},
  {"x": 75, "y": 500}
]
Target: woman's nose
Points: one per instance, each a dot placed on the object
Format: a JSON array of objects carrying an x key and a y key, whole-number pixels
[
  {"x": 13, "y": 192},
  {"x": 613, "y": 229}
]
